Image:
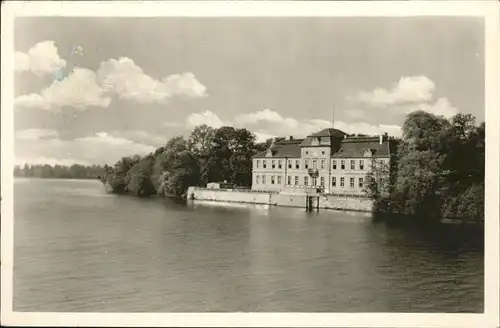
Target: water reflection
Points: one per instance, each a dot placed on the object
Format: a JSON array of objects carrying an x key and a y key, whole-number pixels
[{"x": 78, "y": 252}]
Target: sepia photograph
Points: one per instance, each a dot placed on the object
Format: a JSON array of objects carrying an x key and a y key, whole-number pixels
[{"x": 194, "y": 159}]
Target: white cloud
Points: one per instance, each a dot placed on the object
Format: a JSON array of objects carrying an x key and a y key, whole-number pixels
[
  {"x": 99, "y": 148},
  {"x": 368, "y": 129},
  {"x": 83, "y": 88},
  {"x": 442, "y": 106},
  {"x": 42, "y": 58},
  {"x": 36, "y": 134},
  {"x": 141, "y": 136},
  {"x": 263, "y": 115},
  {"x": 128, "y": 81},
  {"x": 262, "y": 136},
  {"x": 268, "y": 123},
  {"x": 206, "y": 117},
  {"x": 409, "y": 89},
  {"x": 407, "y": 95},
  {"x": 79, "y": 90}
]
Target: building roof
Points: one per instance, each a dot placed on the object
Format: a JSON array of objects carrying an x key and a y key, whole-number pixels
[
  {"x": 284, "y": 148},
  {"x": 329, "y": 132},
  {"x": 353, "y": 147},
  {"x": 350, "y": 147}
]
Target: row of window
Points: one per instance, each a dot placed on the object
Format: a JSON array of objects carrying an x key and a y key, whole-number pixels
[
  {"x": 314, "y": 181},
  {"x": 279, "y": 164}
]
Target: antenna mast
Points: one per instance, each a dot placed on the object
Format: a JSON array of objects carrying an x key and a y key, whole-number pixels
[{"x": 333, "y": 116}]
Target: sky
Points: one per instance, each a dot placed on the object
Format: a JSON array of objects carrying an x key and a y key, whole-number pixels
[{"x": 92, "y": 90}]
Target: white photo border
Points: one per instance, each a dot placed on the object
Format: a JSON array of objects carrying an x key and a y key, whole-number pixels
[{"x": 489, "y": 10}]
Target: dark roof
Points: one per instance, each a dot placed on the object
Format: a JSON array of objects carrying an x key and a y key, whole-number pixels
[
  {"x": 329, "y": 132},
  {"x": 356, "y": 146},
  {"x": 284, "y": 148}
]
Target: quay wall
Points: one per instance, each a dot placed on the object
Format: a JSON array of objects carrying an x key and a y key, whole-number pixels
[
  {"x": 334, "y": 202},
  {"x": 231, "y": 195},
  {"x": 337, "y": 202}
]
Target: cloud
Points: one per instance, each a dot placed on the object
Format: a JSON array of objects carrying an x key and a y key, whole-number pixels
[
  {"x": 128, "y": 81},
  {"x": 409, "y": 89},
  {"x": 206, "y": 117},
  {"x": 42, "y": 58},
  {"x": 268, "y": 124},
  {"x": 407, "y": 95},
  {"x": 121, "y": 78},
  {"x": 265, "y": 115},
  {"x": 442, "y": 106},
  {"x": 36, "y": 134},
  {"x": 141, "y": 136},
  {"x": 369, "y": 129},
  {"x": 99, "y": 148},
  {"x": 262, "y": 137},
  {"x": 78, "y": 90}
]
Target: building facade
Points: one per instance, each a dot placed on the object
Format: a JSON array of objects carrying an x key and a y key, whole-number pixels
[{"x": 328, "y": 159}]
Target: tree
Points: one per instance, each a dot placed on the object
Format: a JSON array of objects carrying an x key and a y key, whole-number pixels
[
  {"x": 138, "y": 178},
  {"x": 241, "y": 159},
  {"x": 437, "y": 170}
]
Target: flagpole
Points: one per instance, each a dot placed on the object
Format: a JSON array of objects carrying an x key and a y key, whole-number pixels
[{"x": 333, "y": 116}]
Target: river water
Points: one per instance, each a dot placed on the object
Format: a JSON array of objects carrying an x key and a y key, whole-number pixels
[{"x": 78, "y": 249}]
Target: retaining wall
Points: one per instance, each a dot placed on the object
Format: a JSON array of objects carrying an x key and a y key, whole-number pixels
[
  {"x": 229, "y": 195},
  {"x": 280, "y": 199}
]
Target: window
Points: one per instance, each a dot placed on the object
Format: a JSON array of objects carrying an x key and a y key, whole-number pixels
[
  {"x": 315, "y": 181},
  {"x": 263, "y": 179},
  {"x": 297, "y": 165},
  {"x": 257, "y": 179},
  {"x": 279, "y": 164},
  {"x": 322, "y": 164},
  {"x": 279, "y": 179},
  {"x": 322, "y": 152},
  {"x": 273, "y": 165},
  {"x": 306, "y": 164},
  {"x": 361, "y": 182},
  {"x": 334, "y": 165},
  {"x": 289, "y": 164},
  {"x": 289, "y": 182},
  {"x": 273, "y": 180},
  {"x": 315, "y": 164},
  {"x": 351, "y": 182},
  {"x": 342, "y": 165},
  {"x": 296, "y": 180},
  {"x": 257, "y": 163},
  {"x": 334, "y": 181},
  {"x": 361, "y": 165},
  {"x": 353, "y": 164},
  {"x": 306, "y": 181},
  {"x": 322, "y": 181},
  {"x": 342, "y": 182},
  {"x": 307, "y": 152},
  {"x": 264, "y": 163}
]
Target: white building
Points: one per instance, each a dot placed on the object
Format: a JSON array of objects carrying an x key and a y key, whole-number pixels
[{"x": 328, "y": 159}]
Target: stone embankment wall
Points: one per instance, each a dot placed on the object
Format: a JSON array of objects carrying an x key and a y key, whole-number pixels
[
  {"x": 347, "y": 203},
  {"x": 337, "y": 202},
  {"x": 231, "y": 195}
]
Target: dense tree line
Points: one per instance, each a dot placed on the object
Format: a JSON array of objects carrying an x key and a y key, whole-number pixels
[
  {"x": 208, "y": 154},
  {"x": 75, "y": 171},
  {"x": 437, "y": 170}
]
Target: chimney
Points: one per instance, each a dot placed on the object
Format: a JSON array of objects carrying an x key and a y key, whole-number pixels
[{"x": 380, "y": 139}]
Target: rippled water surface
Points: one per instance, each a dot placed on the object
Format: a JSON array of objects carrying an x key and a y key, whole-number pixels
[{"x": 78, "y": 249}]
